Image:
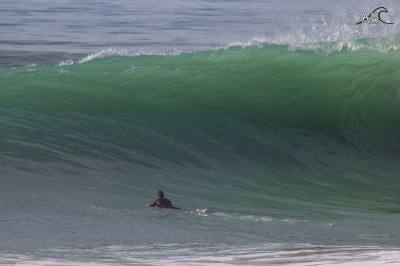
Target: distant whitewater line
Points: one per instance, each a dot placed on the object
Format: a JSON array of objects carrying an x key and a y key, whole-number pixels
[
  {"x": 210, "y": 254},
  {"x": 381, "y": 45}
]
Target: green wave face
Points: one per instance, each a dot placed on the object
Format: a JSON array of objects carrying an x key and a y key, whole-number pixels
[{"x": 262, "y": 129}]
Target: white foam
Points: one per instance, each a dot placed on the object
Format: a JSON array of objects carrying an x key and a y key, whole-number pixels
[
  {"x": 244, "y": 217},
  {"x": 67, "y": 62},
  {"x": 123, "y": 52},
  {"x": 212, "y": 254},
  {"x": 351, "y": 45},
  {"x": 374, "y": 44},
  {"x": 200, "y": 211},
  {"x": 238, "y": 216}
]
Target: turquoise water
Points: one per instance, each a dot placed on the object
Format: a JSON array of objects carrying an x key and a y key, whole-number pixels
[
  {"x": 244, "y": 132},
  {"x": 273, "y": 148}
]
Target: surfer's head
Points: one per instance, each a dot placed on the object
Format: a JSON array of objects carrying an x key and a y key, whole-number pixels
[{"x": 160, "y": 194}]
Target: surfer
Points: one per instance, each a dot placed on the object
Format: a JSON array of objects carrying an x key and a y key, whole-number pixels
[{"x": 162, "y": 202}]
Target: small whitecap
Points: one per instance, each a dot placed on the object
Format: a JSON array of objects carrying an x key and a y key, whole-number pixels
[{"x": 67, "y": 62}]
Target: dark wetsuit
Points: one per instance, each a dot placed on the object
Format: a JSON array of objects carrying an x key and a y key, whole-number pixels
[{"x": 162, "y": 203}]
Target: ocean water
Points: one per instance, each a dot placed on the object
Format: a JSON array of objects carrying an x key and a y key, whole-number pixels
[{"x": 273, "y": 124}]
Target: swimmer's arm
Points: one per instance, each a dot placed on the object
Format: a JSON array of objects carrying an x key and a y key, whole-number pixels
[
  {"x": 153, "y": 204},
  {"x": 172, "y": 206}
]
